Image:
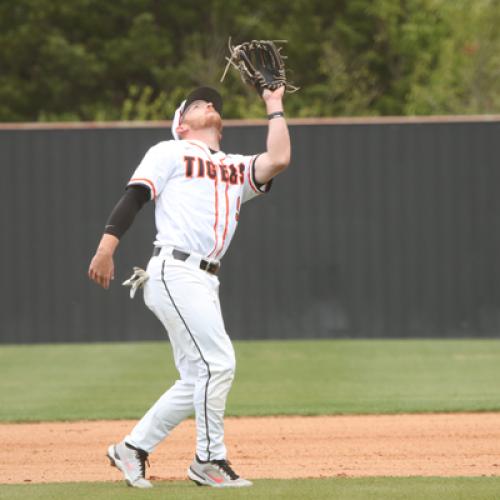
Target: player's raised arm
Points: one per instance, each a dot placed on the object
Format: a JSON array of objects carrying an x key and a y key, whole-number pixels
[
  {"x": 277, "y": 157},
  {"x": 261, "y": 65}
]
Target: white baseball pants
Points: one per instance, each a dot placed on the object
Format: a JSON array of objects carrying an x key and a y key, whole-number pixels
[{"x": 186, "y": 300}]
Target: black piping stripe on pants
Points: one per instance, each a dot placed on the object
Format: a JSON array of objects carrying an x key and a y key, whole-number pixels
[{"x": 199, "y": 350}]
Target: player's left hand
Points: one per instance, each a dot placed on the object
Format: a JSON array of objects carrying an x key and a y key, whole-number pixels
[{"x": 273, "y": 95}]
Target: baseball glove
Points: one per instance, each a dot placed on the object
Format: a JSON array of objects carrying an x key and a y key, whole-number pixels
[{"x": 260, "y": 65}]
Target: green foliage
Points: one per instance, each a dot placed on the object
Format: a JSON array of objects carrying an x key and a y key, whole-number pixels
[
  {"x": 466, "y": 72},
  {"x": 136, "y": 59}
]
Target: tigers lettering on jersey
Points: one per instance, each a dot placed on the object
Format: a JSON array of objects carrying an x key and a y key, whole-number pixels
[
  {"x": 198, "y": 168},
  {"x": 200, "y": 219}
]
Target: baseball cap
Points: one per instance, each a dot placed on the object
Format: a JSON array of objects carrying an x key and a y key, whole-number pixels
[
  {"x": 205, "y": 94},
  {"x": 200, "y": 94}
]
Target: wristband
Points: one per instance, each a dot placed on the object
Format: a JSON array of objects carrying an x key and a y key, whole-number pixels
[{"x": 276, "y": 114}]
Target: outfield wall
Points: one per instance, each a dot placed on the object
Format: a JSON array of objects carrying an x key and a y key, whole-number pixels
[{"x": 380, "y": 228}]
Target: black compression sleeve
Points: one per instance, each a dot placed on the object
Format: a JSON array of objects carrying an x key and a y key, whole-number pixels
[{"x": 126, "y": 209}]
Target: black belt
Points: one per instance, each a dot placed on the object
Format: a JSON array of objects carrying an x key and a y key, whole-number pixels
[{"x": 205, "y": 265}]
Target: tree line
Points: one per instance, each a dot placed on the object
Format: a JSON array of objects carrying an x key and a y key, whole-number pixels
[{"x": 136, "y": 59}]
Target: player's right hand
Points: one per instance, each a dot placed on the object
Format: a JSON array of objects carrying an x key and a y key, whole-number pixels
[{"x": 102, "y": 269}]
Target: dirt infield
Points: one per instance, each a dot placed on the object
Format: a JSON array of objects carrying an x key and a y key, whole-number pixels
[{"x": 268, "y": 447}]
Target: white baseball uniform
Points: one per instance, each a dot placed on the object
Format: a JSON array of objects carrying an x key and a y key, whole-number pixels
[{"x": 198, "y": 194}]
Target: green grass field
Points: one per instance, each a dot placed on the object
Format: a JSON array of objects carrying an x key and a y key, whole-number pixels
[
  {"x": 93, "y": 381},
  {"x": 310, "y": 489},
  {"x": 109, "y": 381}
]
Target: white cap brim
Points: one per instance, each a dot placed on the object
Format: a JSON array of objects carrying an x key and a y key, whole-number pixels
[{"x": 177, "y": 119}]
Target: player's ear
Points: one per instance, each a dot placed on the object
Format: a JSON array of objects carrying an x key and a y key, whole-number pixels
[{"x": 181, "y": 129}]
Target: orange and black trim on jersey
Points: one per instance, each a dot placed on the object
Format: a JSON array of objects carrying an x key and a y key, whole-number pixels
[
  {"x": 226, "y": 222},
  {"x": 216, "y": 223},
  {"x": 145, "y": 182},
  {"x": 256, "y": 186}
]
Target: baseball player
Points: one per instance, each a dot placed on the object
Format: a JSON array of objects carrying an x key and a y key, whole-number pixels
[{"x": 198, "y": 192}]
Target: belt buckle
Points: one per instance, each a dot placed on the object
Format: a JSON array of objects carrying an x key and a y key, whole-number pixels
[
  {"x": 212, "y": 268},
  {"x": 209, "y": 267}
]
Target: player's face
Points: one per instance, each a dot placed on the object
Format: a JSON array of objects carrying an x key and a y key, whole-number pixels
[{"x": 202, "y": 114}]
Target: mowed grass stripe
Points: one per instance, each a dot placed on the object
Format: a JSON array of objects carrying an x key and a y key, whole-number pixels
[
  {"x": 122, "y": 380},
  {"x": 339, "y": 489}
]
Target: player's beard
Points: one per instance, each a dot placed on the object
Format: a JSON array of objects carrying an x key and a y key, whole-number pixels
[{"x": 208, "y": 120}]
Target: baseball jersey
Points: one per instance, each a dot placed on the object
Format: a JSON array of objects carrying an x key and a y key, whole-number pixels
[{"x": 198, "y": 194}]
